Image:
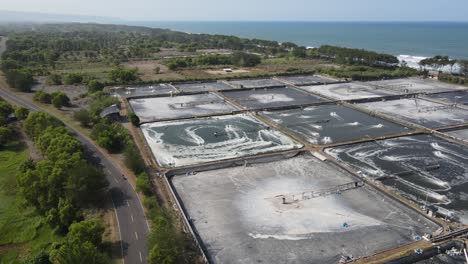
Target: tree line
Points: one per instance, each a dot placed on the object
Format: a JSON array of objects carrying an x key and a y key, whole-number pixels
[
  {"x": 351, "y": 56},
  {"x": 62, "y": 186},
  {"x": 240, "y": 59}
]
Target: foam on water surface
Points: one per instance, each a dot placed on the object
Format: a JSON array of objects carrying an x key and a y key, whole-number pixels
[
  {"x": 190, "y": 142},
  {"x": 332, "y": 123},
  {"x": 421, "y": 167}
]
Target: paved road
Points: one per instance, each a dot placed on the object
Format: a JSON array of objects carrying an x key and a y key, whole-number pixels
[{"x": 128, "y": 208}]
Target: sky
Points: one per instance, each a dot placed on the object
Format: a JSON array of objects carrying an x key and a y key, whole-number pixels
[{"x": 252, "y": 10}]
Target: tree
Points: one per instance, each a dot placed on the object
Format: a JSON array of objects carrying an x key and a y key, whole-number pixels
[
  {"x": 5, "y": 110},
  {"x": 86, "y": 231},
  {"x": 64, "y": 215},
  {"x": 288, "y": 45},
  {"x": 36, "y": 123},
  {"x": 7, "y": 134},
  {"x": 41, "y": 258},
  {"x": 110, "y": 136},
  {"x": 54, "y": 79},
  {"x": 73, "y": 78},
  {"x": 43, "y": 97},
  {"x": 84, "y": 117},
  {"x": 243, "y": 59},
  {"x": 94, "y": 86},
  {"x": 81, "y": 244},
  {"x": 77, "y": 253},
  {"x": 166, "y": 247},
  {"x": 20, "y": 79},
  {"x": 133, "y": 159},
  {"x": 84, "y": 184},
  {"x": 143, "y": 185},
  {"x": 134, "y": 119},
  {"x": 21, "y": 112},
  {"x": 60, "y": 100},
  {"x": 157, "y": 70},
  {"x": 122, "y": 75},
  {"x": 299, "y": 52}
]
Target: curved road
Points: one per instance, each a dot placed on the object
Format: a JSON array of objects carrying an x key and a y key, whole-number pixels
[{"x": 133, "y": 226}]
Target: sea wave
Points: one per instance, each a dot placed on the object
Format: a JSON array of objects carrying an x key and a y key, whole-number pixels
[{"x": 413, "y": 62}]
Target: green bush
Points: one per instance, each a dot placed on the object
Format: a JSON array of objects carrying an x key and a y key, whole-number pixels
[
  {"x": 133, "y": 159},
  {"x": 122, "y": 75},
  {"x": 111, "y": 136},
  {"x": 243, "y": 59},
  {"x": 84, "y": 117},
  {"x": 54, "y": 79},
  {"x": 43, "y": 97},
  {"x": 21, "y": 112},
  {"x": 142, "y": 184},
  {"x": 20, "y": 79},
  {"x": 94, "y": 86},
  {"x": 73, "y": 79},
  {"x": 60, "y": 100},
  {"x": 134, "y": 119},
  {"x": 7, "y": 134},
  {"x": 5, "y": 110},
  {"x": 63, "y": 182}
]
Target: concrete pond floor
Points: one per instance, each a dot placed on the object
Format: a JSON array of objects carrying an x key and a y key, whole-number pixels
[
  {"x": 263, "y": 98},
  {"x": 307, "y": 80},
  {"x": 240, "y": 218},
  {"x": 328, "y": 124},
  {"x": 201, "y": 140},
  {"x": 422, "y": 168},
  {"x": 348, "y": 91},
  {"x": 459, "y": 97},
  {"x": 422, "y": 112},
  {"x": 416, "y": 85},
  {"x": 202, "y": 87},
  {"x": 132, "y": 91},
  {"x": 256, "y": 83},
  {"x": 160, "y": 108},
  {"x": 460, "y": 134}
]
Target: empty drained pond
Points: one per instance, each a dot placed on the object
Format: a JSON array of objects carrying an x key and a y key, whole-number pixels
[
  {"x": 422, "y": 112},
  {"x": 195, "y": 141},
  {"x": 160, "y": 108},
  {"x": 328, "y": 124},
  {"x": 307, "y": 80},
  {"x": 348, "y": 91},
  {"x": 415, "y": 85},
  {"x": 239, "y": 214},
  {"x": 273, "y": 97}
]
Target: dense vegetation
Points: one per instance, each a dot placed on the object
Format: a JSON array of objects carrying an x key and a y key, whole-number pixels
[
  {"x": 39, "y": 50},
  {"x": 57, "y": 99},
  {"x": 354, "y": 56},
  {"x": 240, "y": 59},
  {"x": 365, "y": 73},
  {"x": 63, "y": 184},
  {"x": 453, "y": 79},
  {"x": 23, "y": 230},
  {"x": 7, "y": 113}
]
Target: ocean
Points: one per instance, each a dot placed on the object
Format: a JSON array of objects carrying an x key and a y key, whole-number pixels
[{"x": 413, "y": 40}]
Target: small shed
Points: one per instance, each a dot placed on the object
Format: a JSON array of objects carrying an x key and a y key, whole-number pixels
[{"x": 112, "y": 112}]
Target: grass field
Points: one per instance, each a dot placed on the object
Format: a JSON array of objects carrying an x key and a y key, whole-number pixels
[{"x": 22, "y": 230}]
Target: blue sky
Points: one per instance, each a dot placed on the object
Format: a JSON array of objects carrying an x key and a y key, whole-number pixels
[{"x": 251, "y": 10}]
